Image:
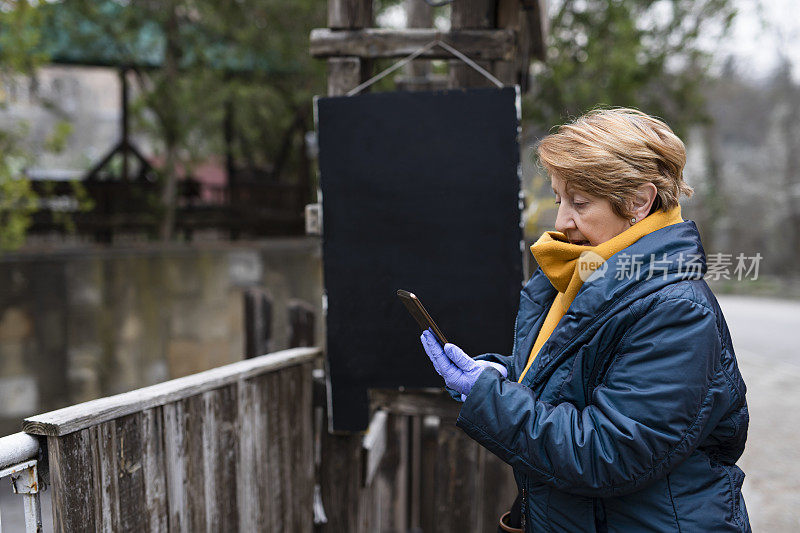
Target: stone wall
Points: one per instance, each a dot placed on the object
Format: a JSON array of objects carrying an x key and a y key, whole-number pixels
[{"x": 82, "y": 323}]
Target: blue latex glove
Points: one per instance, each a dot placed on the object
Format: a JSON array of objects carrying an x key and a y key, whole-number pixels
[{"x": 460, "y": 371}]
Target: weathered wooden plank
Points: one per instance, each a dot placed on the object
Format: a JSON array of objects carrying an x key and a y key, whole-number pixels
[
  {"x": 394, "y": 472},
  {"x": 174, "y": 453},
  {"x": 432, "y": 402},
  {"x": 375, "y": 43},
  {"x": 210, "y": 452},
  {"x": 72, "y": 482},
  {"x": 456, "y": 475},
  {"x": 416, "y": 466},
  {"x": 428, "y": 479},
  {"x": 301, "y": 444},
  {"x": 249, "y": 501},
  {"x": 386, "y": 497},
  {"x": 194, "y": 488},
  {"x": 104, "y": 448},
  {"x": 87, "y": 414},
  {"x": 220, "y": 458},
  {"x": 267, "y": 506},
  {"x": 278, "y": 463},
  {"x": 307, "y": 438},
  {"x": 131, "y": 503},
  {"x": 340, "y": 480},
  {"x": 479, "y": 505},
  {"x": 263, "y": 483},
  {"x": 154, "y": 471},
  {"x": 374, "y": 446}
]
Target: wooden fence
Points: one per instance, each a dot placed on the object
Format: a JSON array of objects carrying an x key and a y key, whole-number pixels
[
  {"x": 230, "y": 449},
  {"x": 241, "y": 448},
  {"x": 428, "y": 475}
]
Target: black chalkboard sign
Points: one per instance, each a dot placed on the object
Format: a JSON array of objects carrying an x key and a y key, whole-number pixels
[{"x": 420, "y": 191}]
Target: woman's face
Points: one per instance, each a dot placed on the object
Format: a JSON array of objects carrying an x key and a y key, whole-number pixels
[{"x": 585, "y": 219}]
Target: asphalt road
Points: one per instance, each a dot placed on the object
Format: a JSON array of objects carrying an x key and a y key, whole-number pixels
[{"x": 763, "y": 332}]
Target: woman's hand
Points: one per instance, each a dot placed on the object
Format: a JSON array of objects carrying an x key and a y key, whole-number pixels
[{"x": 460, "y": 371}]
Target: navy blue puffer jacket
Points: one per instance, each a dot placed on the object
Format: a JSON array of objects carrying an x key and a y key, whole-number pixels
[{"x": 633, "y": 414}]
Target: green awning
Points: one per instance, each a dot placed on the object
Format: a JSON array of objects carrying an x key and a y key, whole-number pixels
[{"x": 97, "y": 36}]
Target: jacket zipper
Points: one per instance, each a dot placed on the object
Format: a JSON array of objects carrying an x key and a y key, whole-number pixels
[
  {"x": 523, "y": 511},
  {"x": 514, "y": 345}
]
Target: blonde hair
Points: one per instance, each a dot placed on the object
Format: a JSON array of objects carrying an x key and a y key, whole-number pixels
[{"x": 611, "y": 152}]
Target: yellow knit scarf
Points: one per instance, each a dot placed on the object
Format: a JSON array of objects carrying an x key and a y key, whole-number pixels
[{"x": 567, "y": 265}]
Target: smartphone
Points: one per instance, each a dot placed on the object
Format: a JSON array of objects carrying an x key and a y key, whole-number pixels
[{"x": 419, "y": 313}]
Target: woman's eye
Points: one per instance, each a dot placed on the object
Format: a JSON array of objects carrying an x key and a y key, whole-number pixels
[
  {"x": 579, "y": 204},
  {"x": 558, "y": 202}
]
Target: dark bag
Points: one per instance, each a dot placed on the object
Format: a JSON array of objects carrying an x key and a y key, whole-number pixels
[{"x": 511, "y": 521}]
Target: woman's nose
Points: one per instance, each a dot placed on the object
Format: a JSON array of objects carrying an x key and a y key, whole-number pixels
[{"x": 564, "y": 220}]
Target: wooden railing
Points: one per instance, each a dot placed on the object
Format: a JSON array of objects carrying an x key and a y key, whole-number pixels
[
  {"x": 230, "y": 449},
  {"x": 248, "y": 209},
  {"x": 244, "y": 447}
]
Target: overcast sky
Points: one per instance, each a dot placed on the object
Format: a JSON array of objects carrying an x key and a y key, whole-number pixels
[{"x": 761, "y": 32}]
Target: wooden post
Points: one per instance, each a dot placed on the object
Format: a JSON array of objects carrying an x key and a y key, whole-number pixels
[
  {"x": 301, "y": 323},
  {"x": 124, "y": 144},
  {"x": 340, "y": 471},
  {"x": 526, "y": 19},
  {"x": 475, "y": 14},
  {"x": 349, "y": 14},
  {"x": 432, "y": 475},
  {"x": 257, "y": 322},
  {"x": 417, "y": 74},
  {"x": 345, "y": 73},
  {"x": 510, "y": 15}
]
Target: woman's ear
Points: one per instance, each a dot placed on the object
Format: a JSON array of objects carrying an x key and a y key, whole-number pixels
[{"x": 643, "y": 200}]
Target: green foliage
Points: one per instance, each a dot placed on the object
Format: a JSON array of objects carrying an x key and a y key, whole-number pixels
[
  {"x": 637, "y": 53},
  {"x": 644, "y": 54},
  {"x": 17, "y": 200},
  {"x": 249, "y": 57},
  {"x": 267, "y": 106},
  {"x": 192, "y": 60},
  {"x": 19, "y": 36},
  {"x": 57, "y": 140},
  {"x": 250, "y": 54}
]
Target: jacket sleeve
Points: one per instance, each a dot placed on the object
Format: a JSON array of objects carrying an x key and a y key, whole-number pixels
[
  {"x": 504, "y": 360},
  {"x": 659, "y": 398}
]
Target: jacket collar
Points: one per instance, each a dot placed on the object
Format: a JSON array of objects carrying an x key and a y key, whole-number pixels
[
  {"x": 660, "y": 258},
  {"x": 566, "y": 265}
]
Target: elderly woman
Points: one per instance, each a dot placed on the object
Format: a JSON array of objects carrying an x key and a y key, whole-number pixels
[{"x": 621, "y": 406}]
